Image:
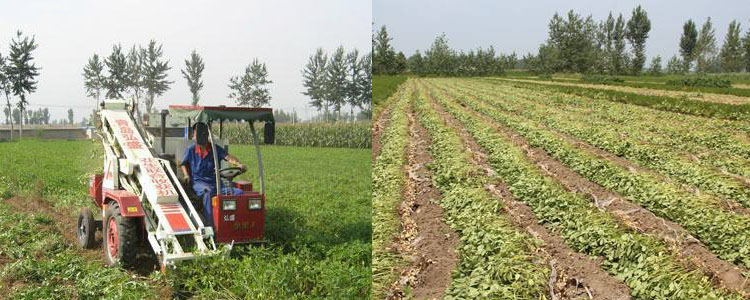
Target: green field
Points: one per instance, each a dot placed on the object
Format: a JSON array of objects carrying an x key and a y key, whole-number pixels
[
  {"x": 383, "y": 86},
  {"x": 318, "y": 230}
]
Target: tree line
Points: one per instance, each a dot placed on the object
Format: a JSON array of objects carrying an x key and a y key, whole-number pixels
[
  {"x": 141, "y": 74},
  {"x": 440, "y": 59},
  {"x": 616, "y": 46},
  {"x": 339, "y": 79}
]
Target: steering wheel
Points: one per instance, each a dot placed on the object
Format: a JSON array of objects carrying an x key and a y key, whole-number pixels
[{"x": 230, "y": 172}]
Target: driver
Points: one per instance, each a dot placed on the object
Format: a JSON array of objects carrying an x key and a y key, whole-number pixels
[{"x": 200, "y": 161}]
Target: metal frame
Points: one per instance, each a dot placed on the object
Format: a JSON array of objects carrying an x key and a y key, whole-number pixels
[{"x": 130, "y": 176}]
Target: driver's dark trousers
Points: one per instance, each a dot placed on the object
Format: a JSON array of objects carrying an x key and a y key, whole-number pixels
[{"x": 208, "y": 191}]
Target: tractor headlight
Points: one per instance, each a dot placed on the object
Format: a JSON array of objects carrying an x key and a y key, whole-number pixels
[
  {"x": 254, "y": 204},
  {"x": 229, "y": 205}
]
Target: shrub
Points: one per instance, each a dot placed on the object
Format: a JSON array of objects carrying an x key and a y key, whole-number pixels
[
  {"x": 703, "y": 81},
  {"x": 601, "y": 79}
]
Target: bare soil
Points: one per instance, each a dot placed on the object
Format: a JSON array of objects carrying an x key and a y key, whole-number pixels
[
  {"x": 425, "y": 237},
  {"x": 577, "y": 276},
  {"x": 692, "y": 253}
]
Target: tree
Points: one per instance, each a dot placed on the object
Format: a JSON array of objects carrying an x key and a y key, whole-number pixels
[
  {"x": 22, "y": 72},
  {"x": 192, "y": 74},
  {"x": 155, "y": 67},
  {"x": 250, "y": 89},
  {"x": 353, "y": 88},
  {"x": 314, "y": 80},
  {"x": 746, "y": 47},
  {"x": 117, "y": 81},
  {"x": 415, "y": 63},
  {"x": 383, "y": 54},
  {"x": 439, "y": 58},
  {"x": 5, "y": 87},
  {"x": 573, "y": 40},
  {"x": 336, "y": 80},
  {"x": 675, "y": 65},
  {"x": 687, "y": 44},
  {"x": 135, "y": 75},
  {"x": 612, "y": 40},
  {"x": 70, "y": 116},
  {"x": 655, "y": 68},
  {"x": 93, "y": 80},
  {"x": 399, "y": 63},
  {"x": 731, "y": 50},
  {"x": 705, "y": 48},
  {"x": 638, "y": 27},
  {"x": 365, "y": 84},
  {"x": 16, "y": 115}
]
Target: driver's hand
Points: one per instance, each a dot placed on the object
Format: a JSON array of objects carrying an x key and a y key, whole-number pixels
[
  {"x": 243, "y": 168},
  {"x": 186, "y": 180}
]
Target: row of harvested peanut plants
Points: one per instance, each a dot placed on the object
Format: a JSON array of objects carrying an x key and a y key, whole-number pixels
[{"x": 497, "y": 188}]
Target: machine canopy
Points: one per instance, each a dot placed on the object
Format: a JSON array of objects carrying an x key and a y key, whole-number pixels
[{"x": 207, "y": 114}]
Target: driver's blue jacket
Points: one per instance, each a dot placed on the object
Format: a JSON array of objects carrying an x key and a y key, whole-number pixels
[
  {"x": 201, "y": 163},
  {"x": 200, "y": 160}
]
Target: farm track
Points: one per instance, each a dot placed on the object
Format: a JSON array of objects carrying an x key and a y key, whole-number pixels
[
  {"x": 577, "y": 275},
  {"x": 661, "y": 159},
  {"x": 650, "y": 249},
  {"x": 707, "y": 97},
  {"x": 691, "y": 251}
]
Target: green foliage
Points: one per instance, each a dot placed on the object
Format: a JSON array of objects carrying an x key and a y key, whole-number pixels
[
  {"x": 384, "y": 56},
  {"x": 155, "y": 69},
  {"x": 388, "y": 180},
  {"x": 338, "y": 135},
  {"x": 731, "y": 50},
  {"x": 703, "y": 81},
  {"x": 117, "y": 81},
  {"x": 638, "y": 27},
  {"x": 93, "y": 79},
  {"x": 192, "y": 73},
  {"x": 681, "y": 105},
  {"x": 600, "y": 79},
  {"x": 384, "y": 86},
  {"x": 251, "y": 89},
  {"x": 688, "y": 42}
]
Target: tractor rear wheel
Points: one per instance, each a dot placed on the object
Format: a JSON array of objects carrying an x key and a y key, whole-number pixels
[
  {"x": 120, "y": 235},
  {"x": 86, "y": 228}
]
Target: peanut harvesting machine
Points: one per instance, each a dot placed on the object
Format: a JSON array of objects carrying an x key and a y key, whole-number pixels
[{"x": 145, "y": 206}]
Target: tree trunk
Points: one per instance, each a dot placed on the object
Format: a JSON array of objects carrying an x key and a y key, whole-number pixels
[{"x": 20, "y": 125}]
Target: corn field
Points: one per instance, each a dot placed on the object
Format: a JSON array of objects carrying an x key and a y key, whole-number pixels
[{"x": 337, "y": 135}]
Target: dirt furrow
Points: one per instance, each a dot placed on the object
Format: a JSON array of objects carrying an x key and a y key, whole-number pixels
[
  {"x": 425, "y": 237},
  {"x": 693, "y": 253},
  {"x": 578, "y": 276}
]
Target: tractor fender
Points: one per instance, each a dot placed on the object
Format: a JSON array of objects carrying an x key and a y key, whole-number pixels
[{"x": 129, "y": 203}]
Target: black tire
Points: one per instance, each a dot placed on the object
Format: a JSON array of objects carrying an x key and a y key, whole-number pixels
[
  {"x": 127, "y": 237},
  {"x": 86, "y": 230}
]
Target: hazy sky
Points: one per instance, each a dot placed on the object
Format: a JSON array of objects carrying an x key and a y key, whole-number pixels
[
  {"x": 228, "y": 34},
  {"x": 522, "y": 25}
]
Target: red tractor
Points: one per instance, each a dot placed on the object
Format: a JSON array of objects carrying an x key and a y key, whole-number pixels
[{"x": 143, "y": 200}]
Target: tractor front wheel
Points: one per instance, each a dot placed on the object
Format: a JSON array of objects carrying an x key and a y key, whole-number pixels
[{"x": 120, "y": 237}]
